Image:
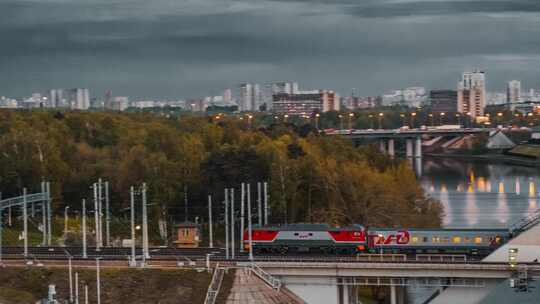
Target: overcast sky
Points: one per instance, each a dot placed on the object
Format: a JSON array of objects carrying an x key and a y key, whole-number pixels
[{"x": 191, "y": 48}]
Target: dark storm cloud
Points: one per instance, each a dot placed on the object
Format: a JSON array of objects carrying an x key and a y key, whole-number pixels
[{"x": 172, "y": 48}]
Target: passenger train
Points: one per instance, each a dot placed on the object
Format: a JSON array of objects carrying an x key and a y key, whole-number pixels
[{"x": 321, "y": 238}]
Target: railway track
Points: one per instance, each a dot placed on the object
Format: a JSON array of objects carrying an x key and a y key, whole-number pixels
[{"x": 188, "y": 255}]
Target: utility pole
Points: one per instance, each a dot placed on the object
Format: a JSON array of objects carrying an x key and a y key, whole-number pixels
[
  {"x": 231, "y": 191},
  {"x": 265, "y": 203},
  {"x": 146, "y": 253},
  {"x": 242, "y": 196},
  {"x": 96, "y": 216},
  {"x": 76, "y": 288},
  {"x": 226, "y": 223},
  {"x": 107, "y": 216},
  {"x": 70, "y": 280},
  {"x": 249, "y": 222},
  {"x": 98, "y": 284},
  {"x": 132, "y": 213},
  {"x": 85, "y": 256},
  {"x": 210, "y": 232},
  {"x": 100, "y": 207},
  {"x": 25, "y": 223},
  {"x": 49, "y": 214},
  {"x": 259, "y": 204},
  {"x": 44, "y": 214}
]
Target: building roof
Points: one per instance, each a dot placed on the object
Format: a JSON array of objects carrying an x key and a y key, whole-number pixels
[
  {"x": 186, "y": 225},
  {"x": 498, "y": 140}
]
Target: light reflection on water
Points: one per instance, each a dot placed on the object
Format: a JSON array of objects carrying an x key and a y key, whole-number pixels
[{"x": 481, "y": 195}]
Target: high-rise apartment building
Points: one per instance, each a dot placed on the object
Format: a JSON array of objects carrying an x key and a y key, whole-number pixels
[
  {"x": 227, "y": 95},
  {"x": 472, "y": 93},
  {"x": 513, "y": 92},
  {"x": 78, "y": 99},
  {"x": 250, "y": 97},
  {"x": 285, "y": 87}
]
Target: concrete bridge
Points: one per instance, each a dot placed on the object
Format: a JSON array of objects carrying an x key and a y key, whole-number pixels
[
  {"x": 464, "y": 282},
  {"x": 412, "y": 137}
]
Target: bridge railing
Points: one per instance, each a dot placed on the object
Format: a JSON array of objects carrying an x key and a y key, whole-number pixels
[
  {"x": 19, "y": 200},
  {"x": 215, "y": 285},
  {"x": 526, "y": 222},
  {"x": 274, "y": 282}
]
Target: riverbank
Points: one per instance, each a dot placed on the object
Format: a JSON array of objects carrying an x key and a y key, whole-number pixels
[{"x": 490, "y": 158}]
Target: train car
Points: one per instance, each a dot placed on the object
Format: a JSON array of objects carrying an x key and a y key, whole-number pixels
[
  {"x": 450, "y": 241},
  {"x": 307, "y": 238}
]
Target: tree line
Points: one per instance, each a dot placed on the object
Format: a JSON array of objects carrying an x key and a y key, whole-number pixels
[{"x": 312, "y": 177}]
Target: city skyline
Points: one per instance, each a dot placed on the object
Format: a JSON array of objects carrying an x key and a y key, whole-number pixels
[{"x": 169, "y": 49}]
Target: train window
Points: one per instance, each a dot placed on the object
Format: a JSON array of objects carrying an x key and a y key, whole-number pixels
[
  {"x": 478, "y": 239},
  {"x": 445, "y": 239},
  {"x": 414, "y": 239},
  {"x": 467, "y": 239},
  {"x": 436, "y": 239},
  {"x": 456, "y": 239},
  {"x": 296, "y": 233},
  {"x": 425, "y": 239},
  {"x": 310, "y": 234}
]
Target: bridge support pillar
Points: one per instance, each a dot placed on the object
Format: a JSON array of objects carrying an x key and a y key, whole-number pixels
[
  {"x": 409, "y": 148},
  {"x": 393, "y": 295},
  {"x": 382, "y": 146},
  {"x": 391, "y": 150},
  {"x": 418, "y": 148}
]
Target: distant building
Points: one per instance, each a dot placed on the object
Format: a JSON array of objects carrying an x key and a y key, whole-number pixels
[
  {"x": 118, "y": 103},
  {"x": 472, "y": 93},
  {"x": 359, "y": 102},
  {"x": 443, "y": 100},
  {"x": 78, "y": 99},
  {"x": 513, "y": 93},
  {"x": 143, "y": 104},
  {"x": 250, "y": 97},
  {"x": 306, "y": 102},
  {"x": 227, "y": 96},
  {"x": 409, "y": 97},
  {"x": 284, "y": 87}
]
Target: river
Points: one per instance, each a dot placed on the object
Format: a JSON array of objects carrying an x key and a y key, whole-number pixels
[{"x": 479, "y": 194}]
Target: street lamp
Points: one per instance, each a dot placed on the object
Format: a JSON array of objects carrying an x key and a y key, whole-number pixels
[
  {"x": 340, "y": 121},
  {"x": 458, "y": 116},
  {"x": 381, "y": 115},
  {"x": 402, "y": 119},
  {"x": 413, "y": 116},
  {"x": 351, "y": 115},
  {"x": 430, "y": 115},
  {"x": 285, "y": 117},
  {"x": 371, "y": 120},
  {"x": 442, "y": 116},
  {"x": 317, "y": 121}
]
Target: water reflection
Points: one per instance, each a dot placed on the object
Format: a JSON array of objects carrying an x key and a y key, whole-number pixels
[{"x": 480, "y": 194}]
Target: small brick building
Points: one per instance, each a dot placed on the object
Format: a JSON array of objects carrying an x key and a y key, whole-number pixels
[{"x": 188, "y": 235}]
